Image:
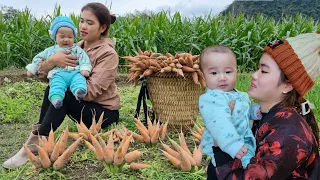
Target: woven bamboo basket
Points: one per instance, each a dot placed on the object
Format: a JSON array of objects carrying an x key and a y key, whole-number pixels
[{"x": 174, "y": 99}]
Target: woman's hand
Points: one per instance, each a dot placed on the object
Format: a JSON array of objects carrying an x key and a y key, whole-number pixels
[{"x": 63, "y": 59}]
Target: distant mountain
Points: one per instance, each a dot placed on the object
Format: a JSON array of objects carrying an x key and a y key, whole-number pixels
[{"x": 275, "y": 8}]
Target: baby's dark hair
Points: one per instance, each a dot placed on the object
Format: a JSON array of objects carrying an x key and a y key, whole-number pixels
[{"x": 216, "y": 49}]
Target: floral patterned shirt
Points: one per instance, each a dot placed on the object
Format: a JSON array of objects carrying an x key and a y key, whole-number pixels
[{"x": 286, "y": 149}]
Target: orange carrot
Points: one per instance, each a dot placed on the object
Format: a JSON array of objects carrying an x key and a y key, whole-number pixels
[
  {"x": 187, "y": 69},
  {"x": 43, "y": 143},
  {"x": 150, "y": 126},
  {"x": 118, "y": 158},
  {"x": 56, "y": 150},
  {"x": 103, "y": 146},
  {"x": 110, "y": 151},
  {"x": 98, "y": 126},
  {"x": 97, "y": 146},
  {"x": 196, "y": 135},
  {"x": 195, "y": 77},
  {"x": 61, "y": 161},
  {"x": 137, "y": 166},
  {"x": 137, "y": 137},
  {"x": 169, "y": 55},
  {"x": 201, "y": 78},
  {"x": 166, "y": 69},
  {"x": 140, "y": 124},
  {"x": 164, "y": 130},
  {"x": 63, "y": 140},
  {"x": 93, "y": 127},
  {"x": 126, "y": 144},
  {"x": 144, "y": 134},
  {"x": 132, "y": 156},
  {"x": 170, "y": 151},
  {"x": 44, "y": 158},
  {"x": 89, "y": 145},
  {"x": 183, "y": 143},
  {"x": 176, "y": 162},
  {"x": 147, "y": 72},
  {"x": 180, "y": 149},
  {"x": 74, "y": 136},
  {"x": 195, "y": 66},
  {"x": 140, "y": 52},
  {"x": 107, "y": 133},
  {"x": 189, "y": 62},
  {"x": 50, "y": 143},
  {"x": 199, "y": 130},
  {"x": 155, "y": 137},
  {"x": 34, "y": 160},
  {"x": 185, "y": 162},
  {"x": 84, "y": 135},
  {"x": 197, "y": 155}
]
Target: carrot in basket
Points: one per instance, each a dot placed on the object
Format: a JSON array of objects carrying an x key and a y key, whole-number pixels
[
  {"x": 195, "y": 66},
  {"x": 187, "y": 69},
  {"x": 137, "y": 166},
  {"x": 44, "y": 158},
  {"x": 34, "y": 160},
  {"x": 166, "y": 69},
  {"x": 189, "y": 62},
  {"x": 132, "y": 156},
  {"x": 195, "y": 77},
  {"x": 176, "y": 162},
  {"x": 201, "y": 78},
  {"x": 147, "y": 72},
  {"x": 62, "y": 160}
]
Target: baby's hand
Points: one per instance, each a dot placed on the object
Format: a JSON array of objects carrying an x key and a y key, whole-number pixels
[
  {"x": 231, "y": 105},
  {"x": 243, "y": 151},
  {"x": 85, "y": 73},
  {"x": 258, "y": 113},
  {"x": 29, "y": 74}
]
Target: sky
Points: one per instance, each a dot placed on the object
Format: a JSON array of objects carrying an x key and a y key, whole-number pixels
[{"x": 121, "y": 7}]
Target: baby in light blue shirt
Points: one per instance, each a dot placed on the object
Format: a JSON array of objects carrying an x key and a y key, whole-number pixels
[
  {"x": 229, "y": 128},
  {"x": 63, "y": 32}
]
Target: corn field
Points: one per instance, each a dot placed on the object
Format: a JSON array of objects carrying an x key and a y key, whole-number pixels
[{"x": 22, "y": 37}]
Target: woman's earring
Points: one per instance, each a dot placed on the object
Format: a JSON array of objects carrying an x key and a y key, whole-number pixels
[{"x": 284, "y": 92}]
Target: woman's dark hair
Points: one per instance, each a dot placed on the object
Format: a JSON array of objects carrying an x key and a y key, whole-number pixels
[
  {"x": 294, "y": 99},
  {"x": 102, "y": 13}
]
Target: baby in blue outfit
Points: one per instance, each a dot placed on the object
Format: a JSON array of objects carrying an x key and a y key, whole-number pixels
[
  {"x": 64, "y": 32},
  {"x": 229, "y": 128}
]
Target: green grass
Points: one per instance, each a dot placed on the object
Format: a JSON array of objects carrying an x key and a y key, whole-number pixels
[{"x": 25, "y": 99}]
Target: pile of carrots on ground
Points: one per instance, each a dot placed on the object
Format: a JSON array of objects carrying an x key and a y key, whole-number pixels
[
  {"x": 181, "y": 157},
  {"x": 147, "y": 63},
  {"x": 150, "y": 134},
  {"x": 52, "y": 153}
]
